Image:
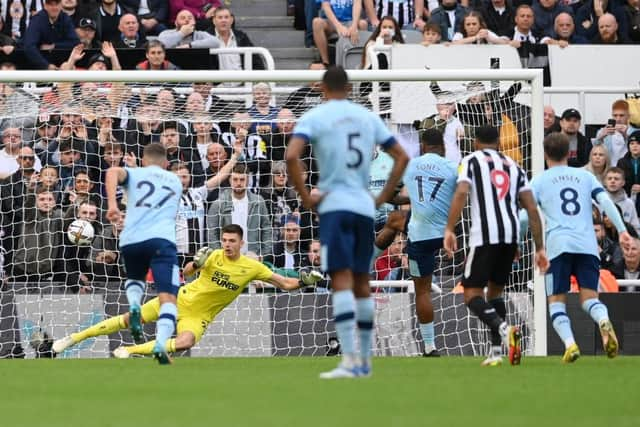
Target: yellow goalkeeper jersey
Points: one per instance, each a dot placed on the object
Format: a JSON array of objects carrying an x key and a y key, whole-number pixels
[{"x": 221, "y": 280}]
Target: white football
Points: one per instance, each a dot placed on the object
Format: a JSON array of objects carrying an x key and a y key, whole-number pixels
[{"x": 80, "y": 232}]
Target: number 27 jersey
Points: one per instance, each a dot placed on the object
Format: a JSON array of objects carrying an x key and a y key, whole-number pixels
[
  {"x": 153, "y": 197},
  {"x": 564, "y": 194},
  {"x": 343, "y": 135}
]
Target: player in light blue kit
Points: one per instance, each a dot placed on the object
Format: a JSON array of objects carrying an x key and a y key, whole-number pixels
[
  {"x": 149, "y": 238},
  {"x": 343, "y": 135},
  {"x": 564, "y": 194},
  {"x": 431, "y": 182}
]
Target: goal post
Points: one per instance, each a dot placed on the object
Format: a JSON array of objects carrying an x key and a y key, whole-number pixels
[{"x": 234, "y": 327}]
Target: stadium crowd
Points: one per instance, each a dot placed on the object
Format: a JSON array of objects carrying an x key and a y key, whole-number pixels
[{"x": 56, "y": 146}]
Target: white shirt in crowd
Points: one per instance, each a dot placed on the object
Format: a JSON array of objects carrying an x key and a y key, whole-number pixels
[{"x": 240, "y": 216}]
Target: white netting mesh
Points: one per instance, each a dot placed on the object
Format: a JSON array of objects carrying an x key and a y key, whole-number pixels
[{"x": 76, "y": 131}]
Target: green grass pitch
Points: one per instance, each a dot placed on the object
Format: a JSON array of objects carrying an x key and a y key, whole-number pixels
[{"x": 260, "y": 392}]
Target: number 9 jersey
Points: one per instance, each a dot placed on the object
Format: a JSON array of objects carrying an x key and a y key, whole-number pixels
[
  {"x": 564, "y": 194},
  {"x": 153, "y": 197},
  {"x": 343, "y": 135}
]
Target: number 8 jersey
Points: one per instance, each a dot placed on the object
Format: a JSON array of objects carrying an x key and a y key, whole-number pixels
[
  {"x": 496, "y": 182},
  {"x": 564, "y": 194},
  {"x": 343, "y": 135},
  {"x": 153, "y": 197}
]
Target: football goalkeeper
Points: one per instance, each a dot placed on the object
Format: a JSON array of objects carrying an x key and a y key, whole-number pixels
[{"x": 224, "y": 273}]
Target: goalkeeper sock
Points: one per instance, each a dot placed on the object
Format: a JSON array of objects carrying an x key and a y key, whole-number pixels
[
  {"x": 596, "y": 309},
  {"x": 428, "y": 336},
  {"x": 135, "y": 290},
  {"x": 487, "y": 315},
  {"x": 147, "y": 348},
  {"x": 166, "y": 323},
  {"x": 501, "y": 309},
  {"x": 344, "y": 306},
  {"x": 106, "y": 327},
  {"x": 561, "y": 323},
  {"x": 365, "y": 309}
]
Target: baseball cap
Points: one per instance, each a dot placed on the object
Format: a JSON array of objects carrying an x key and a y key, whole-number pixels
[
  {"x": 87, "y": 23},
  {"x": 571, "y": 113},
  {"x": 98, "y": 57},
  {"x": 634, "y": 137}
]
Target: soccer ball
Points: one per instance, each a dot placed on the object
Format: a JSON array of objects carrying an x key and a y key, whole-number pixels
[{"x": 80, "y": 232}]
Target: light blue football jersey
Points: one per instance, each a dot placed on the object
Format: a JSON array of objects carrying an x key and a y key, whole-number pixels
[
  {"x": 153, "y": 197},
  {"x": 343, "y": 135},
  {"x": 564, "y": 194},
  {"x": 380, "y": 169},
  {"x": 431, "y": 182}
]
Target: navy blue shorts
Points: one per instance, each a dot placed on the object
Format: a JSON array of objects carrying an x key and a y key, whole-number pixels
[
  {"x": 159, "y": 254},
  {"x": 585, "y": 267},
  {"x": 422, "y": 256},
  {"x": 347, "y": 241}
]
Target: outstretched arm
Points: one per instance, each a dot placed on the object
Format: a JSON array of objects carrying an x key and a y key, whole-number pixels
[{"x": 291, "y": 283}]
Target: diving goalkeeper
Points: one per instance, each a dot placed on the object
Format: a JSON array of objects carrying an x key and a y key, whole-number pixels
[{"x": 224, "y": 273}]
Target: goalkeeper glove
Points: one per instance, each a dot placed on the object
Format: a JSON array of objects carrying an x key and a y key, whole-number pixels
[
  {"x": 309, "y": 277},
  {"x": 201, "y": 256}
]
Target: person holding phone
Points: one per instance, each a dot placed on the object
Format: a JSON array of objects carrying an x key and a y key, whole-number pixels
[{"x": 614, "y": 135}]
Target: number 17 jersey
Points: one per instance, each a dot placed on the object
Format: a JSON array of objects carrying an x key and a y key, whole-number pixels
[
  {"x": 564, "y": 194},
  {"x": 343, "y": 135},
  {"x": 153, "y": 198}
]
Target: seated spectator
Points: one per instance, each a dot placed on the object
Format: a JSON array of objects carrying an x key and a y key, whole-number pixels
[
  {"x": 277, "y": 142},
  {"x": 390, "y": 259},
  {"x": 499, "y": 16},
  {"x": 545, "y": 12},
  {"x": 113, "y": 156},
  {"x": 629, "y": 15},
  {"x": 280, "y": 199},
  {"x": 105, "y": 262},
  {"x": 239, "y": 206},
  {"x": 449, "y": 17},
  {"x": 50, "y": 181},
  {"x": 130, "y": 36},
  {"x": 108, "y": 19},
  {"x": 46, "y": 131},
  {"x": 185, "y": 34},
  {"x": 212, "y": 103},
  {"x": 81, "y": 191},
  {"x": 16, "y": 19},
  {"x": 431, "y": 34},
  {"x": 551, "y": 121},
  {"x": 156, "y": 57},
  {"x": 599, "y": 162},
  {"x": 200, "y": 9},
  {"x": 629, "y": 267},
  {"x": 614, "y": 135},
  {"x": 48, "y": 29},
  {"x": 7, "y": 44},
  {"x": 523, "y": 31},
  {"x": 222, "y": 27},
  {"x": 145, "y": 128},
  {"x": 474, "y": 30},
  {"x": 609, "y": 250},
  {"x": 106, "y": 60},
  {"x": 579, "y": 145},
  {"x": 564, "y": 32},
  {"x": 288, "y": 251},
  {"x": 86, "y": 31},
  {"x": 170, "y": 139},
  {"x": 70, "y": 7},
  {"x": 262, "y": 113},
  {"x": 589, "y": 14},
  {"x": 202, "y": 134},
  {"x": 614, "y": 184},
  {"x": 630, "y": 164},
  {"x": 12, "y": 143},
  {"x": 386, "y": 33},
  {"x": 153, "y": 14},
  {"x": 39, "y": 247},
  {"x": 378, "y": 9},
  {"x": 609, "y": 31},
  {"x": 217, "y": 157},
  {"x": 337, "y": 17},
  {"x": 70, "y": 161},
  {"x": 302, "y": 100}
]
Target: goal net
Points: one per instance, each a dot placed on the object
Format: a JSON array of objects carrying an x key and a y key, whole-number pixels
[{"x": 62, "y": 130}]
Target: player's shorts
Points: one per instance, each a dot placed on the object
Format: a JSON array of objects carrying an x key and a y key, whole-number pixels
[
  {"x": 159, "y": 254},
  {"x": 585, "y": 267},
  {"x": 188, "y": 319},
  {"x": 346, "y": 240},
  {"x": 422, "y": 256},
  {"x": 488, "y": 263}
]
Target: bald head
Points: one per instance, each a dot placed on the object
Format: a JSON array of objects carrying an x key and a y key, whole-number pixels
[
  {"x": 608, "y": 28},
  {"x": 564, "y": 26}
]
